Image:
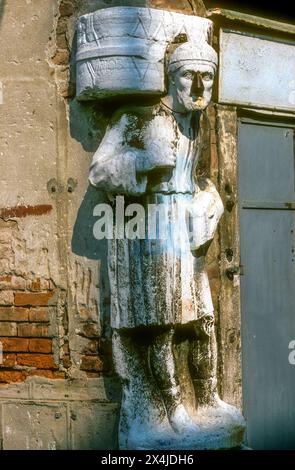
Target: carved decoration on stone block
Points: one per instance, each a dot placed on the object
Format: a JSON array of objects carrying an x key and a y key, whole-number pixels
[
  {"x": 129, "y": 45},
  {"x": 162, "y": 315}
]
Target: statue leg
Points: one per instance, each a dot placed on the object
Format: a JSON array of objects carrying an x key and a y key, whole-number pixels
[
  {"x": 143, "y": 417},
  {"x": 163, "y": 366},
  {"x": 203, "y": 362}
]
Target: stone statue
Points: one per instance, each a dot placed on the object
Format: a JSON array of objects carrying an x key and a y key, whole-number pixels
[{"x": 161, "y": 310}]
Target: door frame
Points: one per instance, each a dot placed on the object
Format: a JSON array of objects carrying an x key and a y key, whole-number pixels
[{"x": 229, "y": 320}]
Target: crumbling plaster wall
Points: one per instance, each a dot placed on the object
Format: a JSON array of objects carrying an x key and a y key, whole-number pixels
[
  {"x": 57, "y": 389},
  {"x": 49, "y": 314}
]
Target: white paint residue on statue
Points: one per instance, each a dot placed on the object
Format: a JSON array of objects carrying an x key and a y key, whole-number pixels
[{"x": 161, "y": 308}]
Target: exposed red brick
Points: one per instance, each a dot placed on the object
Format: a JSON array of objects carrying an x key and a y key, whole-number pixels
[
  {"x": 66, "y": 8},
  {"x": 91, "y": 348},
  {"x": 66, "y": 361},
  {"x": 84, "y": 313},
  {"x": 11, "y": 376},
  {"x": 12, "y": 282},
  {"x": 93, "y": 375},
  {"x": 24, "y": 211},
  {"x": 39, "y": 284},
  {"x": 66, "y": 348},
  {"x": 61, "y": 41},
  {"x": 90, "y": 330},
  {"x": 15, "y": 344},
  {"x": 8, "y": 360},
  {"x": 5, "y": 281},
  {"x": 29, "y": 330},
  {"x": 8, "y": 329},
  {"x": 36, "y": 299},
  {"x": 41, "y": 361},
  {"x": 36, "y": 315},
  {"x": 13, "y": 314},
  {"x": 91, "y": 363},
  {"x": 61, "y": 26},
  {"x": 58, "y": 374},
  {"x": 35, "y": 285},
  {"x": 40, "y": 346},
  {"x": 61, "y": 57}
]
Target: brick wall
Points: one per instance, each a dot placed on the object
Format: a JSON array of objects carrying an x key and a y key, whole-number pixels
[
  {"x": 26, "y": 334},
  {"x": 34, "y": 323},
  {"x": 29, "y": 337}
]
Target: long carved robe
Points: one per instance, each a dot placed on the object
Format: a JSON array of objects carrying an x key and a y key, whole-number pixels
[{"x": 157, "y": 281}]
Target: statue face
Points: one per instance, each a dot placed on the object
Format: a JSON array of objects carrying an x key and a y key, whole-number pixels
[{"x": 193, "y": 86}]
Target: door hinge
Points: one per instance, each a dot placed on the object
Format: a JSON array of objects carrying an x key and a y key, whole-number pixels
[{"x": 234, "y": 271}]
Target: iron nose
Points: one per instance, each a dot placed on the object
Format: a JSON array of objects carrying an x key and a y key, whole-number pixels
[{"x": 197, "y": 86}]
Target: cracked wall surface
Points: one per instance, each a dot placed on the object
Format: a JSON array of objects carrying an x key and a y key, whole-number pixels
[{"x": 50, "y": 326}]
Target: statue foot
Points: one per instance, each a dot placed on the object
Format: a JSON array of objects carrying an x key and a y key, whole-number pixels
[
  {"x": 181, "y": 421},
  {"x": 214, "y": 402}
]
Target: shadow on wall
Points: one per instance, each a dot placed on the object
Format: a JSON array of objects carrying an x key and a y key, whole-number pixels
[
  {"x": 84, "y": 244},
  {"x": 87, "y": 126},
  {"x": 88, "y": 123}
]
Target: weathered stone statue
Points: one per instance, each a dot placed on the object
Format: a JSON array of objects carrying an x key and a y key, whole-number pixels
[{"x": 161, "y": 310}]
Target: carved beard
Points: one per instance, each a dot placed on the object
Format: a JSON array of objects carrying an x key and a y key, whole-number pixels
[{"x": 193, "y": 103}]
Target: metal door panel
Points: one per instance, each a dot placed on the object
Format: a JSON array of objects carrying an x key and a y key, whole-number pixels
[
  {"x": 267, "y": 225},
  {"x": 268, "y": 325},
  {"x": 267, "y": 169}
]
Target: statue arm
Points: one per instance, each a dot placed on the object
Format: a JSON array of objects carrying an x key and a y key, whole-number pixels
[
  {"x": 159, "y": 144},
  {"x": 134, "y": 145},
  {"x": 114, "y": 165},
  {"x": 206, "y": 211}
]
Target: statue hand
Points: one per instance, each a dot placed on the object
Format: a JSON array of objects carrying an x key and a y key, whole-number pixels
[
  {"x": 117, "y": 175},
  {"x": 205, "y": 212},
  {"x": 160, "y": 159}
]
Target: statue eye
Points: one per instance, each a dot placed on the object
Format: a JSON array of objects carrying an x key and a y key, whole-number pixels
[
  {"x": 207, "y": 76},
  {"x": 188, "y": 75}
]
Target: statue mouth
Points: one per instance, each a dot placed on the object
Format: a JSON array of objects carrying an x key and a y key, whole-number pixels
[{"x": 198, "y": 100}]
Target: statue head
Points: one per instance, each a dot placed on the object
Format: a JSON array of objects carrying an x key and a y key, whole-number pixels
[{"x": 191, "y": 70}]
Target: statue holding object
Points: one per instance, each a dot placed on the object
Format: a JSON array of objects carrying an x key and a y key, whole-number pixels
[{"x": 160, "y": 294}]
